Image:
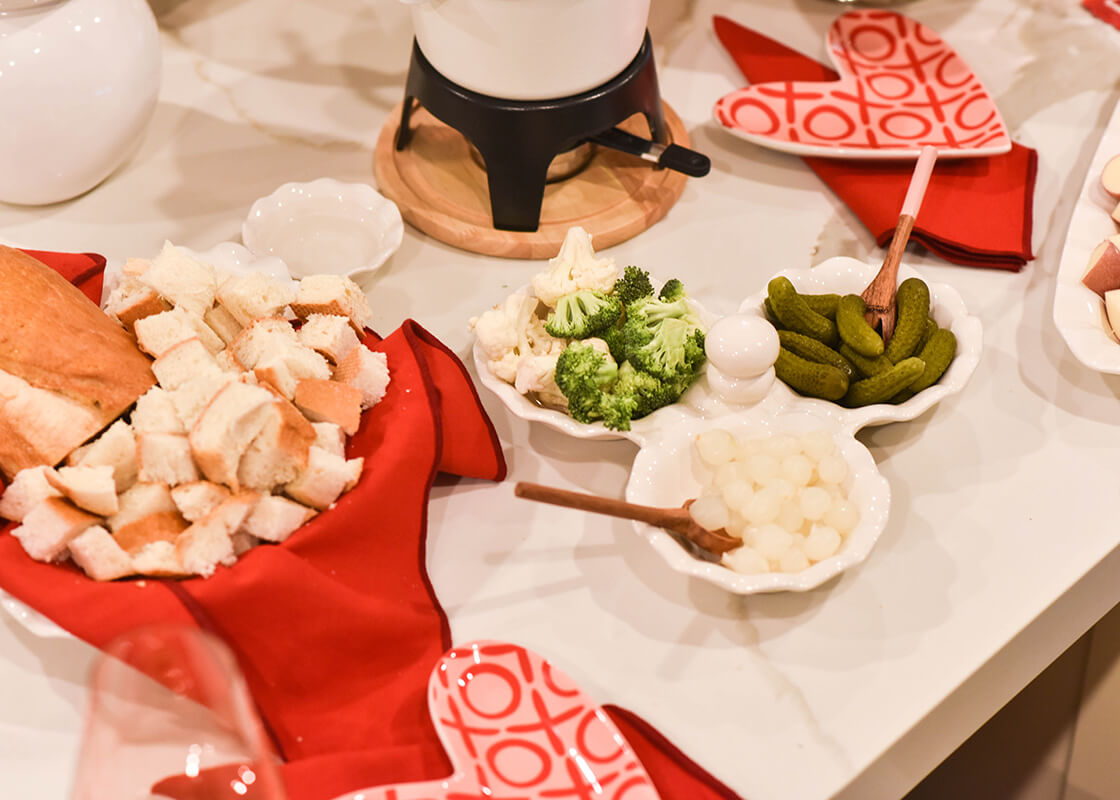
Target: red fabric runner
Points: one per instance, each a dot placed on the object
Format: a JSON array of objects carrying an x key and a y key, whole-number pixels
[
  {"x": 338, "y": 628},
  {"x": 977, "y": 211}
]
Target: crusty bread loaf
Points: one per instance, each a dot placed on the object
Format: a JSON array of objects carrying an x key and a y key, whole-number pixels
[{"x": 60, "y": 345}]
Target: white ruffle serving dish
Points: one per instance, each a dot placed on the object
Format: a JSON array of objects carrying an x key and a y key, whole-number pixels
[
  {"x": 325, "y": 226},
  {"x": 1078, "y": 311},
  {"x": 665, "y": 473},
  {"x": 660, "y": 474}
]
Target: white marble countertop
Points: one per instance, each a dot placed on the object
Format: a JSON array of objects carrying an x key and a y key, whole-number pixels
[{"x": 999, "y": 552}]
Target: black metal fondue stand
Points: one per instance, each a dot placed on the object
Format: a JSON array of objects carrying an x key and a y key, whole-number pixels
[{"x": 518, "y": 139}]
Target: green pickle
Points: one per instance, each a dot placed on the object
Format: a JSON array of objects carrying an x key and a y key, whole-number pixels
[
  {"x": 812, "y": 350},
  {"x": 885, "y": 385},
  {"x": 823, "y": 304},
  {"x": 795, "y": 314},
  {"x": 931, "y": 326},
  {"x": 809, "y": 377},
  {"x": 867, "y": 367},
  {"x": 912, "y": 301},
  {"x": 853, "y": 328},
  {"x": 937, "y": 355}
]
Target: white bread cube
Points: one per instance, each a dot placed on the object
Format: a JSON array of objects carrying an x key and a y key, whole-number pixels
[
  {"x": 279, "y": 452},
  {"x": 28, "y": 488},
  {"x": 47, "y": 528},
  {"x": 162, "y": 526},
  {"x": 222, "y": 323},
  {"x": 332, "y": 294},
  {"x": 182, "y": 280},
  {"x": 132, "y": 300},
  {"x": 139, "y": 501},
  {"x": 165, "y": 458},
  {"x": 253, "y": 296},
  {"x": 203, "y": 546},
  {"x": 228, "y": 362},
  {"x": 159, "y": 560},
  {"x": 99, "y": 556},
  {"x": 160, "y": 332},
  {"x": 155, "y": 413},
  {"x": 367, "y": 371},
  {"x": 90, "y": 488},
  {"x": 191, "y": 399},
  {"x": 225, "y": 429},
  {"x": 275, "y": 518},
  {"x": 285, "y": 372},
  {"x": 207, "y": 543},
  {"x": 330, "y": 437},
  {"x": 263, "y": 339},
  {"x": 330, "y": 401},
  {"x": 233, "y": 511},
  {"x": 115, "y": 448},
  {"x": 134, "y": 267},
  {"x": 327, "y": 476},
  {"x": 197, "y": 499},
  {"x": 185, "y": 361},
  {"x": 329, "y": 335}
]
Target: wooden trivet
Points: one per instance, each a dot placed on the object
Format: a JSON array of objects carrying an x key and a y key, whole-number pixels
[{"x": 442, "y": 191}]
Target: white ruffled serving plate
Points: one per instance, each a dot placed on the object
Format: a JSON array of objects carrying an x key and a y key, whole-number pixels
[
  {"x": 662, "y": 474},
  {"x": 1078, "y": 311}
]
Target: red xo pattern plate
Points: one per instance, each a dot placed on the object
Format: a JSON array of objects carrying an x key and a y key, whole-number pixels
[
  {"x": 901, "y": 87},
  {"x": 515, "y": 728}
]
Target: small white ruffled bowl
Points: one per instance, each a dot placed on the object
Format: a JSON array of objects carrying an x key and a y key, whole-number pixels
[
  {"x": 666, "y": 473},
  {"x": 325, "y": 226}
]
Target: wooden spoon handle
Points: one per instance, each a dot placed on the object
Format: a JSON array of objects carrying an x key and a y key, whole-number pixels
[
  {"x": 594, "y": 503},
  {"x": 880, "y": 292}
]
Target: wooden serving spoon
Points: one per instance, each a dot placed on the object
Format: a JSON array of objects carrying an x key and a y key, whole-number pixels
[
  {"x": 677, "y": 520},
  {"x": 880, "y": 293}
]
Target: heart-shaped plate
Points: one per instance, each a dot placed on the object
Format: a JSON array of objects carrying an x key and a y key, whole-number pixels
[{"x": 901, "y": 87}]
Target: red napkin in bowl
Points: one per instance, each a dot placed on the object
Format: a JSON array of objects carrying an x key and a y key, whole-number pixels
[
  {"x": 338, "y": 628},
  {"x": 977, "y": 211}
]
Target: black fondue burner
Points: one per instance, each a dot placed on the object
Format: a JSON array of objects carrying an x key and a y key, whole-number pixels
[{"x": 518, "y": 139}]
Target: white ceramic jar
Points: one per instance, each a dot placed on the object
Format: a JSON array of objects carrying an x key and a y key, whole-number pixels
[
  {"x": 78, "y": 83},
  {"x": 529, "y": 49}
]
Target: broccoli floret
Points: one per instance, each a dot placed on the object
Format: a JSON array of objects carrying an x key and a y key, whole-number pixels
[
  {"x": 633, "y": 284},
  {"x": 651, "y": 311},
  {"x": 583, "y": 373},
  {"x": 648, "y": 393},
  {"x": 582, "y": 314},
  {"x": 672, "y": 290},
  {"x": 673, "y": 351}
]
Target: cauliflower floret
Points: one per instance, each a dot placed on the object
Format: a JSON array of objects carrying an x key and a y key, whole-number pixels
[
  {"x": 503, "y": 333},
  {"x": 495, "y": 333},
  {"x": 505, "y": 367},
  {"x": 538, "y": 374},
  {"x": 541, "y": 342},
  {"x": 574, "y": 267}
]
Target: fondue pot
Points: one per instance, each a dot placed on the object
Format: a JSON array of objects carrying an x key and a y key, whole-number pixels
[{"x": 529, "y": 49}]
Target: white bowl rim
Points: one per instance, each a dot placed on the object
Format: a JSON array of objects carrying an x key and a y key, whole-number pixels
[
  {"x": 867, "y": 484},
  {"x": 362, "y": 193}
]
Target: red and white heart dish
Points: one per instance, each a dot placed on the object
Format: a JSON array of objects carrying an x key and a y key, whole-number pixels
[{"x": 901, "y": 87}]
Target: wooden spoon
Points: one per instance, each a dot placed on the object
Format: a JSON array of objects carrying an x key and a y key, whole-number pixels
[
  {"x": 880, "y": 293},
  {"x": 677, "y": 520}
]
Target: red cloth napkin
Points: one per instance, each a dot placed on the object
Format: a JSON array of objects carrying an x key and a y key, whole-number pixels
[
  {"x": 977, "y": 211},
  {"x": 1108, "y": 10},
  {"x": 338, "y": 628}
]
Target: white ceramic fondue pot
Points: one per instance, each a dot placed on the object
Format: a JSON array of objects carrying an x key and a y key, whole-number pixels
[{"x": 529, "y": 49}]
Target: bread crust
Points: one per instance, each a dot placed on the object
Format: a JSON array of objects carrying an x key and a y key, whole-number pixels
[{"x": 54, "y": 338}]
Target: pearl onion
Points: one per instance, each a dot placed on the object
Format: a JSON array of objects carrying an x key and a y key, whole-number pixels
[
  {"x": 716, "y": 447},
  {"x": 822, "y": 543},
  {"x": 815, "y": 502}
]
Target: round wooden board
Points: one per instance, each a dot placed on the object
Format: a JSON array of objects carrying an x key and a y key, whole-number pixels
[{"x": 442, "y": 191}]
